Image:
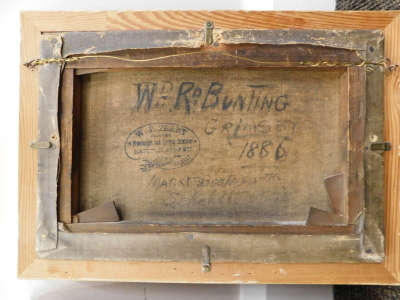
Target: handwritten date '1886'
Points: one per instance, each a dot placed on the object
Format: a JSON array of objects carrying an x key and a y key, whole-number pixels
[{"x": 263, "y": 149}]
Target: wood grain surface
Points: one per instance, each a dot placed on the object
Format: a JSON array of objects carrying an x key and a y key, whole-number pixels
[
  {"x": 34, "y": 23},
  {"x": 357, "y": 94},
  {"x": 65, "y": 115},
  {"x": 150, "y": 20},
  {"x": 128, "y": 227},
  {"x": 392, "y": 163},
  {"x": 28, "y": 128},
  {"x": 179, "y": 272}
]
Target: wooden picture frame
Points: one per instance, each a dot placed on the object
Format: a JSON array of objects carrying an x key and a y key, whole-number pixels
[{"x": 186, "y": 266}]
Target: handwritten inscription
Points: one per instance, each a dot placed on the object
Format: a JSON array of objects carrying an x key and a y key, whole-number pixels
[
  {"x": 202, "y": 199},
  {"x": 263, "y": 149},
  {"x": 242, "y": 130},
  {"x": 162, "y": 146},
  {"x": 230, "y": 180},
  {"x": 267, "y": 136},
  {"x": 190, "y": 96}
]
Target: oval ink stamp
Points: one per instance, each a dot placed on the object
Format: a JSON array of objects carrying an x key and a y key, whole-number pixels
[{"x": 162, "y": 146}]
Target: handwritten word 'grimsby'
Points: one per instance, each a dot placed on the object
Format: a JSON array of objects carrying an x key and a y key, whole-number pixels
[{"x": 189, "y": 96}]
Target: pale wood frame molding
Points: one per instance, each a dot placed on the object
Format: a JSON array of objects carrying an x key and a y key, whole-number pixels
[{"x": 35, "y": 23}]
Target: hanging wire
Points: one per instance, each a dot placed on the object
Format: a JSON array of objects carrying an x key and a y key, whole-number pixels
[{"x": 385, "y": 63}]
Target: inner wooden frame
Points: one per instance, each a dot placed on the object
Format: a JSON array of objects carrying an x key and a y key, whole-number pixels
[
  {"x": 34, "y": 23},
  {"x": 352, "y": 123}
]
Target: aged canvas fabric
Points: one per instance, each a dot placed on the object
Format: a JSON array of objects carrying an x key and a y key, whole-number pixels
[{"x": 210, "y": 145}]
